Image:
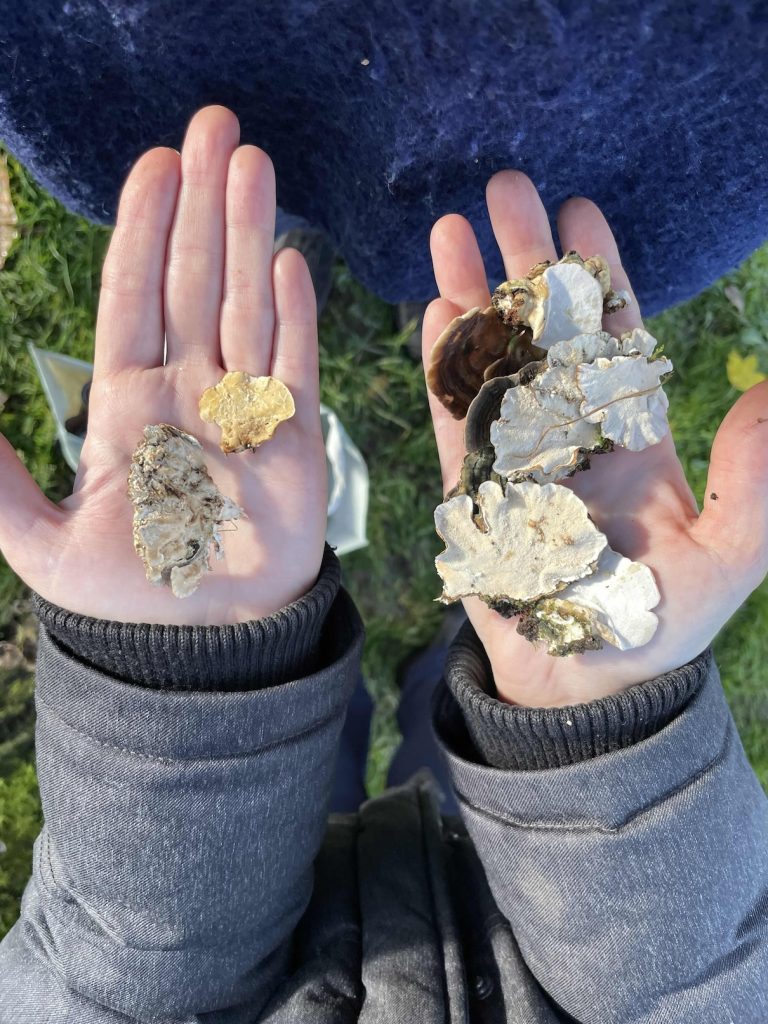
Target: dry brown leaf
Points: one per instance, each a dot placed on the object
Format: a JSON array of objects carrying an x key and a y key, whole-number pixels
[
  {"x": 734, "y": 296},
  {"x": 11, "y": 656},
  {"x": 8, "y": 217}
]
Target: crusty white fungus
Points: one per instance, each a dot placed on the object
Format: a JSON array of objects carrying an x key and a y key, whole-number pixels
[
  {"x": 612, "y": 604},
  {"x": 522, "y": 545},
  {"x": 177, "y": 508},
  {"x": 624, "y": 396},
  {"x": 248, "y": 409},
  {"x": 560, "y": 300},
  {"x": 636, "y": 342},
  {"x": 583, "y": 348},
  {"x": 541, "y": 434},
  {"x": 587, "y": 395}
]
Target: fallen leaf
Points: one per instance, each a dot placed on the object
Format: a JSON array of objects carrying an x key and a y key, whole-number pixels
[
  {"x": 742, "y": 371},
  {"x": 734, "y": 296},
  {"x": 8, "y": 218},
  {"x": 10, "y": 656}
]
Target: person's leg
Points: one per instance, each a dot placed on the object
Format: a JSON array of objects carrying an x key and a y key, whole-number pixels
[
  {"x": 419, "y": 748},
  {"x": 349, "y": 781}
]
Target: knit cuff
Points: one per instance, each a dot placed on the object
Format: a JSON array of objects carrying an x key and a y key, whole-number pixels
[
  {"x": 244, "y": 656},
  {"x": 505, "y": 736}
]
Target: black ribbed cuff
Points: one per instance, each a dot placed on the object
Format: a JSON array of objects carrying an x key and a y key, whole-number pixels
[
  {"x": 244, "y": 656},
  {"x": 507, "y": 736}
]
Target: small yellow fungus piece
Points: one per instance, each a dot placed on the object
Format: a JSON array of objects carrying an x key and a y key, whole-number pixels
[{"x": 248, "y": 409}]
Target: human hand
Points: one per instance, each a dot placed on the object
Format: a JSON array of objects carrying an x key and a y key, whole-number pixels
[
  {"x": 190, "y": 260},
  {"x": 705, "y": 564}
]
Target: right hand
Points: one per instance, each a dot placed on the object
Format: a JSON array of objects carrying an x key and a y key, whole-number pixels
[{"x": 705, "y": 563}]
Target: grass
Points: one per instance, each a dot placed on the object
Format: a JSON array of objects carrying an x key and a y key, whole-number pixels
[{"x": 48, "y": 294}]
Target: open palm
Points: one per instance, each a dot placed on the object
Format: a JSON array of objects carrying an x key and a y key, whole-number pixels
[
  {"x": 189, "y": 270},
  {"x": 705, "y": 564}
]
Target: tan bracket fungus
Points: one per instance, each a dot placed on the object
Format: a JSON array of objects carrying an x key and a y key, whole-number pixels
[
  {"x": 177, "y": 508},
  {"x": 248, "y": 409}
]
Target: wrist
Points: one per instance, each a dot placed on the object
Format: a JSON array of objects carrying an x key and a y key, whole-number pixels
[{"x": 553, "y": 689}]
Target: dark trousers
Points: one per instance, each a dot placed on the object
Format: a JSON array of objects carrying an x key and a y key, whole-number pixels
[{"x": 418, "y": 748}]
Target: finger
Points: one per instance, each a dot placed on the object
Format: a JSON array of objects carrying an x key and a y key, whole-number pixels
[
  {"x": 458, "y": 265},
  {"x": 582, "y": 227},
  {"x": 129, "y": 325},
  {"x": 295, "y": 356},
  {"x": 449, "y": 433},
  {"x": 520, "y": 222},
  {"x": 734, "y": 519},
  {"x": 195, "y": 270},
  {"x": 27, "y": 518},
  {"x": 247, "y": 310}
]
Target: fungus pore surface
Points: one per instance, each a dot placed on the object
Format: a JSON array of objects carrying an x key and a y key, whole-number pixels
[{"x": 520, "y": 546}]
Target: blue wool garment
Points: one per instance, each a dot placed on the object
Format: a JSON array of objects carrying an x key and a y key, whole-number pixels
[{"x": 381, "y": 115}]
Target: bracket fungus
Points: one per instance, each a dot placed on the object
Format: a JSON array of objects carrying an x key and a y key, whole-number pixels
[
  {"x": 475, "y": 347},
  {"x": 624, "y": 396},
  {"x": 514, "y": 538},
  {"x": 521, "y": 545},
  {"x": 177, "y": 508},
  {"x": 559, "y": 300},
  {"x": 613, "y": 605},
  {"x": 553, "y": 302},
  {"x": 579, "y": 402},
  {"x": 248, "y": 409}
]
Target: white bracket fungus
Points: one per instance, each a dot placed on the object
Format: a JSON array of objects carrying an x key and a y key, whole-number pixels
[
  {"x": 560, "y": 300},
  {"x": 520, "y": 546},
  {"x": 624, "y": 396},
  {"x": 177, "y": 508},
  {"x": 613, "y": 605},
  {"x": 579, "y": 403},
  {"x": 541, "y": 433},
  {"x": 513, "y": 537}
]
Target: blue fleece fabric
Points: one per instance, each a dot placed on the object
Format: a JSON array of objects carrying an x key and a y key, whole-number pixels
[{"x": 381, "y": 115}]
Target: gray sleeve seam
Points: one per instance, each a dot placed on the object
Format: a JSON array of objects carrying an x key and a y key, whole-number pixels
[
  {"x": 597, "y": 826},
  {"x": 58, "y": 977},
  {"x": 255, "y": 751},
  {"x": 57, "y": 893}
]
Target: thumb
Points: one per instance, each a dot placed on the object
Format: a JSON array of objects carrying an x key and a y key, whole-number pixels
[
  {"x": 449, "y": 433},
  {"x": 27, "y": 518},
  {"x": 734, "y": 520}
]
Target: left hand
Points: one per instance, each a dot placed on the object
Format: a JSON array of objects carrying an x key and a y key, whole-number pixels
[
  {"x": 705, "y": 563},
  {"x": 190, "y": 265}
]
